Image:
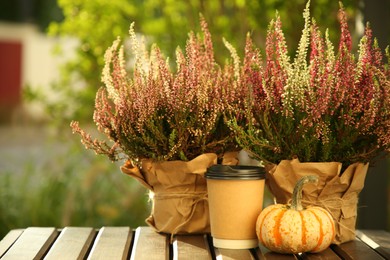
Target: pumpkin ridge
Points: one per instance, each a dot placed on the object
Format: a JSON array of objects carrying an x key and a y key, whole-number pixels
[
  {"x": 321, "y": 231},
  {"x": 303, "y": 229},
  {"x": 331, "y": 221},
  {"x": 261, "y": 226},
  {"x": 276, "y": 231}
]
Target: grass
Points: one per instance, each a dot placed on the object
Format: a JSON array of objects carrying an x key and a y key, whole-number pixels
[{"x": 73, "y": 187}]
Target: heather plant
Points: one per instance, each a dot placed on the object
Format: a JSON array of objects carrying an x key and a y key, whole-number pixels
[
  {"x": 158, "y": 112},
  {"x": 320, "y": 106}
]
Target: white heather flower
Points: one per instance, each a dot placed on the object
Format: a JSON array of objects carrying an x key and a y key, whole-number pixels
[
  {"x": 106, "y": 74},
  {"x": 236, "y": 59}
]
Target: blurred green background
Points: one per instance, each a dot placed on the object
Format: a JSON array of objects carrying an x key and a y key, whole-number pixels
[{"x": 47, "y": 178}]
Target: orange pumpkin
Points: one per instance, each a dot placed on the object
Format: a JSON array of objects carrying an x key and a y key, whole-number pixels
[{"x": 293, "y": 229}]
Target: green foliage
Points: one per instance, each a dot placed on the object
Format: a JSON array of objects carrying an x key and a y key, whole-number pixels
[
  {"x": 95, "y": 24},
  {"x": 41, "y": 12},
  {"x": 73, "y": 187}
]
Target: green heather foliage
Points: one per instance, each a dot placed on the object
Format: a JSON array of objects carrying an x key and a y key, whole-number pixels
[
  {"x": 322, "y": 105},
  {"x": 162, "y": 113}
]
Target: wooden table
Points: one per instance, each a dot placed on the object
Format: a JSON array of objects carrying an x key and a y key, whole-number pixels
[{"x": 144, "y": 243}]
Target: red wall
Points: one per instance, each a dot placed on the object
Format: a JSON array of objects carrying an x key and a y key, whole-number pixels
[{"x": 10, "y": 74}]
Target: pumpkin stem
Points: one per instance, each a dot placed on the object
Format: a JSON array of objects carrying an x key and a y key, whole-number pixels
[{"x": 296, "y": 202}]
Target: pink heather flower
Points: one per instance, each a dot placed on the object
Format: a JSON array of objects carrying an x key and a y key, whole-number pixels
[{"x": 277, "y": 65}]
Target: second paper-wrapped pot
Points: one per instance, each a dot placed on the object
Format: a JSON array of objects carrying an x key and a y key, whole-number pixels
[
  {"x": 178, "y": 192},
  {"x": 337, "y": 190}
]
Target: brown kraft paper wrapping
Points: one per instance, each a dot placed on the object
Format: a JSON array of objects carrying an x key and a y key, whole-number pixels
[
  {"x": 179, "y": 192},
  {"x": 337, "y": 192}
]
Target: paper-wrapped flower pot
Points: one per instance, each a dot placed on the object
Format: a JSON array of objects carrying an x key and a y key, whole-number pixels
[
  {"x": 336, "y": 191},
  {"x": 179, "y": 192}
]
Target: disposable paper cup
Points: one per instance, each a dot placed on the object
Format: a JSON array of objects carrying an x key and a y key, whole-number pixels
[{"x": 235, "y": 196}]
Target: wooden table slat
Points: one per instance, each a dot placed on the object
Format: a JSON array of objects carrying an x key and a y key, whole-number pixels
[
  {"x": 33, "y": 243},
  {"x": 9, "y": 239},
  {"x": 188, "y": 246},
  {"x": 381, "y": 237},
  {"x": 72, "y": 243},
  {"x": 148, "y": 244},
  {"x": 356, "y": 249},
  {"x": 327, "y": 254},
  {"x": 233, "y": 254},
  {"x": 379, "y": 240},
  {"x": 112, "y": 243},
  {"x": 264, "y": 253}
]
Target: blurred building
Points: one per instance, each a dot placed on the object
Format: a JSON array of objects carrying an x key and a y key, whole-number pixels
[{"x": 25, "y": 51}]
